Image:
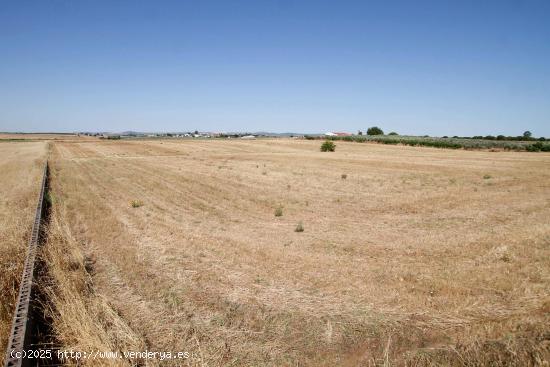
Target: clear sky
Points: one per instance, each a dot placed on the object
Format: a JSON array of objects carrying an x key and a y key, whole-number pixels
[{"x": 415, "y": 67}]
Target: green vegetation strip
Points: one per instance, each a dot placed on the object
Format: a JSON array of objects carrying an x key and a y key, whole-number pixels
[{"x": 449, "y": 143}]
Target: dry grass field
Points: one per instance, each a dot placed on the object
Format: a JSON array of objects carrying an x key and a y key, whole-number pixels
[
  {"x": 21, "y": 167},
  {"x": 31, "y": 136},
  {"x": 407, "y": 255}
]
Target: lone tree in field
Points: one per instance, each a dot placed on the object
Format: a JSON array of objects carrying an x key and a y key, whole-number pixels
[
  {"x": 375, "y": 130},
  {"x": 527, "y": 134},
  {"x": 328, "y": 146}
]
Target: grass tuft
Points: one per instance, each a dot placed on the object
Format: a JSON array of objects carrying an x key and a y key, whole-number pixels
[{"x": 136, "y": 203}]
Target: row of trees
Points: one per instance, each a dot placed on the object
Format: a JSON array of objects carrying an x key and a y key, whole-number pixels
[{"x": 527, "y": 135}]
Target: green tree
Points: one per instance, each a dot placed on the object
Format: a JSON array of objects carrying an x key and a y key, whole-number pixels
[
  {"x": 375, "y": 130},
  {"x": 527, "y": 134}
]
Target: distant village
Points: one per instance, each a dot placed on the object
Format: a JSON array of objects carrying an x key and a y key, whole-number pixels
[{"x": 204, "y": 135}]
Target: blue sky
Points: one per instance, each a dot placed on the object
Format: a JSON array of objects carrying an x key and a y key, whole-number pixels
[{"x": 415, "y": 67}]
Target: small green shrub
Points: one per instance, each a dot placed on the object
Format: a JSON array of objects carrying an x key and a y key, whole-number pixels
[
  {"x": 328, "y": 146},
  {"x": 48, "y": 198},
  {"x": 136, "y": 203},
  {"x": 486, "y": 177},
  {"x": 279, "y": 212},
  {"x": 299, "y": 228}
]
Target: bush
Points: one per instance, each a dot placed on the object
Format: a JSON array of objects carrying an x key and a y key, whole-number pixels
[
  {"x": 328, "y": 146},
  {"x": 136, "y": 203},
  {"x": 344, "y": 176},
  {"x": 279, "y": 212},
  {"x": 299, "y": 228},
  {"x": 393, "y": 133},
  {"x": 537, "y": 147},
  {"x": 375, "y": 130}
]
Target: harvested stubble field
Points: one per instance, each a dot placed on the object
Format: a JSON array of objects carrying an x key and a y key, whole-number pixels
[
  {"x": 40, "y": 137},
  {"x": 408, "y": 255},
  {"x": 21, "y": 167}
]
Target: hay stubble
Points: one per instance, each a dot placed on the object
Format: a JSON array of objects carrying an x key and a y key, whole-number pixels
[{"x": 414, "y": 250}]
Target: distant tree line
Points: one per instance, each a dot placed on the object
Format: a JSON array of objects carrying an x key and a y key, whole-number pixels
[
  {"x": 525, "y": 142},
  {"x": 527, "y": 136}
]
